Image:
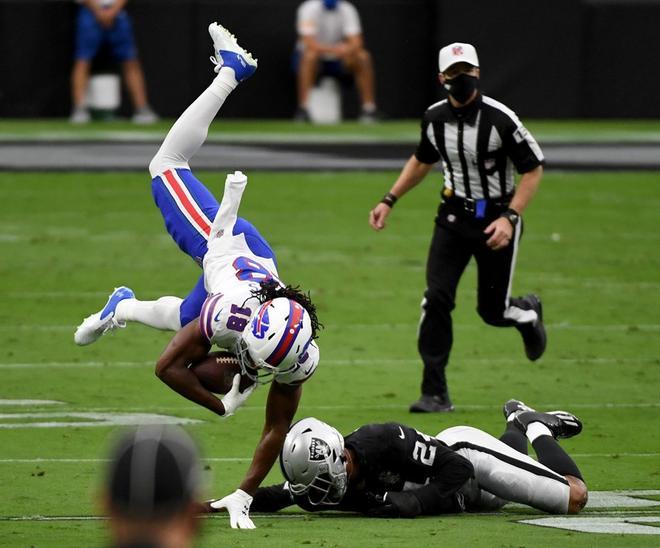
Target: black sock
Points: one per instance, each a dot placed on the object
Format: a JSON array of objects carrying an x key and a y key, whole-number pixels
[
  {"x": 514, "y": 438},
  {"x": 552, "y": 455}
]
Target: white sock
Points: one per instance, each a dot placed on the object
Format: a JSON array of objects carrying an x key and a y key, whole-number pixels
[
  {"x": 161, "y": 314},
  {"x": 369, "y": 107},
  {"x": 224, "y": 83},
  {"x": 189, "y": 132},
  {"x": 536, "y": 430}
]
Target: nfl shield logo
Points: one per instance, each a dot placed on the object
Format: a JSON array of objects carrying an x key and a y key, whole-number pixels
[{"x": 457, "y": 50}]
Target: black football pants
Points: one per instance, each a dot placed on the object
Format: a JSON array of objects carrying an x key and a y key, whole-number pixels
[{"x": 456, "y": 238}]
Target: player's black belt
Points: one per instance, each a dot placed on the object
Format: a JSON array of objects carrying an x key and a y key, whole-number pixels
[{"x": 481, "y": 207}]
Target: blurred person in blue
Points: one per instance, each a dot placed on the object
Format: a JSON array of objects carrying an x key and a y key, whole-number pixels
[
  {"x": 99, "y": 23},
  {"x": 152, "y": 485},
  {"x": 330, "y": 43}
]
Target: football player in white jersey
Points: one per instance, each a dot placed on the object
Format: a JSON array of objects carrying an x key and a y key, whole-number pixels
[{"x": 239, "y": 303}]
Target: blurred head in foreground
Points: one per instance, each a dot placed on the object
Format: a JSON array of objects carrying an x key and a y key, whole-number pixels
[{"x": 151, "y": 488}]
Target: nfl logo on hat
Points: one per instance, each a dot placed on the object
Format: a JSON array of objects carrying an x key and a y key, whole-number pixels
[{"x": 457, "y": 52}]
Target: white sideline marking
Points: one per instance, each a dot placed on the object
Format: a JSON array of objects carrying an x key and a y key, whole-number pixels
[
  {"x": 622, "y": 499},
  {"x": 77, "y": 461},
  {"x": 91, "y": 364},
  {"x": 89, "y": 419},
  {"x": 630, "y": 525},
  {"x": 30, "y": 402}
]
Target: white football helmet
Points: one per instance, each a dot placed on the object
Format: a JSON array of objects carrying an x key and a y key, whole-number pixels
[
  {"x": 313, "y": 462},
  {"x": 278, "y": 333}
]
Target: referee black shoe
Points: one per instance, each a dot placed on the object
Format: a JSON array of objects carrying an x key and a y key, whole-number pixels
[
  {"x": 561, "y": 424},
  {"x": 533, "y": 334},
  {"x": 432, "y": 404},
  {"x": 301, "y": 116}
]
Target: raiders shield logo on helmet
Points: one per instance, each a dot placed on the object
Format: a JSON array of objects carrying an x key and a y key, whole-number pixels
[{"x": 318, "y": 450}]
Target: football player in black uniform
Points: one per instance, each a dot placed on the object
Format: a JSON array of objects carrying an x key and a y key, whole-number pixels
[{"x": 391, "y": 470}]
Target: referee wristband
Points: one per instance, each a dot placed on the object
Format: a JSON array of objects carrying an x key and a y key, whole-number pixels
[
  {"x": 512, "y": 216},
  {"x": 389, "y": 199}
]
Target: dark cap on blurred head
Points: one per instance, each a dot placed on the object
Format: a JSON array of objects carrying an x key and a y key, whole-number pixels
[{"x": 154, "y": 472}]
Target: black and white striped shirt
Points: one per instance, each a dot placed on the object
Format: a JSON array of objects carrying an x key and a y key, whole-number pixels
[{"x": 479, "y": 146}]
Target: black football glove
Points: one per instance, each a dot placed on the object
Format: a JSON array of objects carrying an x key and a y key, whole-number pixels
[{"x": 393, "y": 504}]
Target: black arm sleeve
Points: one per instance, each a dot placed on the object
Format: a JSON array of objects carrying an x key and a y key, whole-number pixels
[
  {"x": 521, "y": 147},
  {"x": 426, "y": 152},
  {"x": 271, "y": 499},
  {"x": 438, "y": 496}
]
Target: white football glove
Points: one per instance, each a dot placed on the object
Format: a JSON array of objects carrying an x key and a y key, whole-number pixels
[
  {"x": 236, "y": 178},
  {"x": 238, "y": 506},
  {"x": 235, "y": 398}
]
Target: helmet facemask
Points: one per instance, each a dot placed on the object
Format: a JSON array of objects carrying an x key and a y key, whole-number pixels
[
  {"x": 327, "y": 488},
  {"x": 313, "y": 462},
  {"x": 262, "y": 373}
]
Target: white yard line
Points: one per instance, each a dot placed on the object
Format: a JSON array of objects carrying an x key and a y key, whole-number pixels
[
  {"x": 13, "y": 403},
  {"x": 563, "y": 326},
  {"x": 329, "y": 362},
  {"x": 38, "y": 460},
  {"x": 44, "y": 460},
  {"x": 102, "y": 518},
  {"x": 595, "y": 513}
]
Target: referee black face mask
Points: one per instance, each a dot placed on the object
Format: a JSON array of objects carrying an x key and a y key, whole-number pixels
[{"x": 462, "y": 86}]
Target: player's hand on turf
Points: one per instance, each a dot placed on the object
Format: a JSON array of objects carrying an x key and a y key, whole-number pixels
[
  {"x": 394, "y": 504},
  {"x": 238, "y": 506},
  {"x": 500, "y": 232},
  {"x": 378, "y": 215},
  {"x": 235, "y": 398}
]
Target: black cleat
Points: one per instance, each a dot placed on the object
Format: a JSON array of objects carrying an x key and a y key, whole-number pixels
[
  {"x": 562, "y": 424},
  {"x": 432, "y": 404},
  {"x": 533, "y": 334},
  {"x": 514, "y": 406}
]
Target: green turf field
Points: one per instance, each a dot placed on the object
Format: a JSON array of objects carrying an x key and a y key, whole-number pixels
[{"x": 590, "y": 250}]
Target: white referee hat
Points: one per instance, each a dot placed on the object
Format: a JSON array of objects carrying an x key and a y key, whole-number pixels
[{"x": 457, "y": 52}]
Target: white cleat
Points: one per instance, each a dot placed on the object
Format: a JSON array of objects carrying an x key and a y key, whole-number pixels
[
  {"x": 95, "y": 326},
  {"x": 227, "y": 53}
]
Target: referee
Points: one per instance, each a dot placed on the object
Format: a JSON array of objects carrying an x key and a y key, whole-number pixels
[{"x": 479, "y": 142}]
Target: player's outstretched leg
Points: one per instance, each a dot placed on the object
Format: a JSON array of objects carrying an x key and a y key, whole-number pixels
[
  {"x": 543, "y": 430},
  {"x": 122, "y": 306},
  {"x": 94, "y": 326},
  {"x": 233, "y": 64}
]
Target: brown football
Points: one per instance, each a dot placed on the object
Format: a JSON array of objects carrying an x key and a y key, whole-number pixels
[{"x": 216, "y": 372}]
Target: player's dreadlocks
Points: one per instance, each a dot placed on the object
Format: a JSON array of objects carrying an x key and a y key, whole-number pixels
[{"x": 271, "y": 289}]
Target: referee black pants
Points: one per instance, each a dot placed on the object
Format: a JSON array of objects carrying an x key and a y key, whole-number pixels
[{"x": 457, "y": 237}]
